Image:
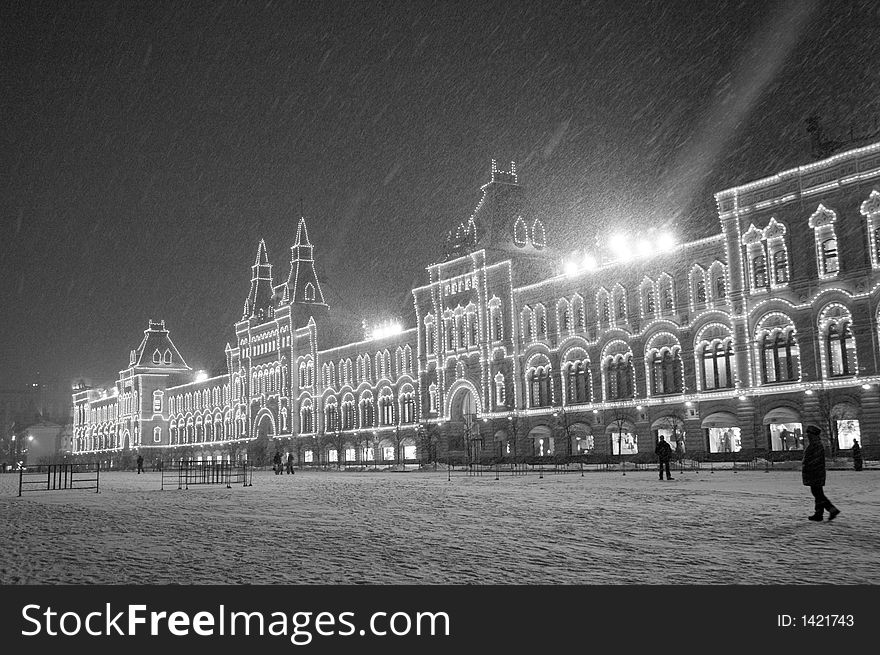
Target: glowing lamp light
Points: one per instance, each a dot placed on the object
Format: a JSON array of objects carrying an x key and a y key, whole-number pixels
[
  {"x": 742, "y": 397},
  {"x": 385, "y": 330},
  {"x": 808, "y": 392},
  {"x": 595, "y": 411},
  {"x": 571, "y": 269},
  {"x": 201, "y": 376},
  {"x": 665, "y": 241},
  {"x": 619, "y": 246},
  {"x": 639, "y": 408},
  {"x": 689, "y": 404},
  {"x": 590, "y": 263},
  {"x": 866, "y": 386}
]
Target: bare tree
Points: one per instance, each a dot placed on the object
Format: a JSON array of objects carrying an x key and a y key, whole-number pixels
[
  {"x": 673, "y": 421},
  {"x": 621, "y": 417},
  {"x": 429, "y": 437}
]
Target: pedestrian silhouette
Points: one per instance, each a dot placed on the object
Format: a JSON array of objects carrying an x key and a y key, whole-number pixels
[
  {"x": 276, "y": 463},
  {"x": 857, "y": 455},
  {"x": 663, "y": 452},
  {"x": 813, "y": 474},
  {"x": 289, "y": 463},
  {"x": 140, "y": 463}
]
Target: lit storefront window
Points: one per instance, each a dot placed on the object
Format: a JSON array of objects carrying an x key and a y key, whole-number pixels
[
  {"x": 847, "y": 430},
  {"x": 786, "y": 436},
  {"x": 624, "y": 443},
  {"x": 724, "y": 440}
]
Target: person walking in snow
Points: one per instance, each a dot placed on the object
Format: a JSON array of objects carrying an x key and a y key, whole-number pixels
[
  {"x": 140, "y": 463},
  {"x": 813, "y": 474},
  {"x": 857, "y": 455},
  {"x": 663, "y": 452},
  {"x": 289, "y": 463},
  {"x": 276, "y": 463}
]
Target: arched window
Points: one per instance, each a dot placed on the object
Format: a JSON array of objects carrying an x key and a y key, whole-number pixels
[
  {"x": 497, "y": 324},
  {"x": 474, "y": 327},
  {"x": 348, "y": 415},
  {"x": 602, "y": 307},
  {"x": 331, "y": 417},
  {"x": 778, "y": 354},
  {"x": 822, "y": 221},
  {"x": 309, "y": 292},
  {"x": 386, "y": 410},
  {"x": 719, "y": 289},
  {"x": 829, "y": 256},
  {"x": 157, "y": 357},
  {"x": 539, "y": 387},
  {"x": 367, "y": 417},
  {"x": 715, "y": 358},
  {"x": 648, "y": 306},
  {"x": 538, "y": 236},
  {"x": 434, "y": 398},
  {"x": 619, "y": 377},
  {"x": 407, "y": 407},
  {"x": 167, "y": 356},
  {"x": 520, "y": 232},
  {"x": 305, "y": 417},
  {"x": 527, "y": 324},
  {"x": 429, "y": 334},
  {"x": 579, "y": 311},
  {"x": 759, "y": 270},
  {"x": 666, "y": 371},
  {"x": 500, "y": 394},
  {"x": 541, "y": 321},
  {"x": 577, "y": 382},
  {"x": 835, "y": 325},
  {"x": 700, "y": 292}
]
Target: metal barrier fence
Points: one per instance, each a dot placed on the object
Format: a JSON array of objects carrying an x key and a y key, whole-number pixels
[
  {"x": 58, "y": 477},
  {"x": 191, "y": 473}
]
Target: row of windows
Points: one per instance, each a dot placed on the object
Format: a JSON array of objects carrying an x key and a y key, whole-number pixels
[{"x": 348, "y": 417}]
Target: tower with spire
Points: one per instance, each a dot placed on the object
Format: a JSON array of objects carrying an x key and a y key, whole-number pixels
[
  {"x": 259, "y": 303},
  {"x": 302, "y": 284}
]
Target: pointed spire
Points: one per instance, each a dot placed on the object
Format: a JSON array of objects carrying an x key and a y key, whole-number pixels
[
  {"x": 259, "y": 300},
  {"x": 262, "y": 258},
  {"x": 302, "y": 233},
  {"x": 302, "y": 283}
]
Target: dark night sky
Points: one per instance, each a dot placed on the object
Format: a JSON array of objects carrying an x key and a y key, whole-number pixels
[{"x": 147, "y": 147}]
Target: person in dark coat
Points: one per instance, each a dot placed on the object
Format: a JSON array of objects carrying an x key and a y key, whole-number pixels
[
  {"x": 289, "y": 463},
  {"x": 140, "y": 463},
  {"x": 857, "y": 455},
  {"x": 276, "y": 463},
  {"x": 813, "y": 473},
  {"x": 663, "y": 452}
]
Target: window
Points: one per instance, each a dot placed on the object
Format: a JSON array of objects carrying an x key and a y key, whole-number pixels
[
  {"x": 157, "y": 435},
  {"x": 497, "y": 324},
  {"x": 407, "y": 408},
  {"x": 331, "y": 419},
  {"x": 665, "y": 371},
  {"x": 167, "y": 356},
  {"x": 578, "y": 385},
  {"x": 157, "y": 402},
  {"x": 619, "y": 377},
  {"x": 778, "y": 350},
  {"x": 434, "y": 398},
  {"x": 539, "y": 387},
  {"x": 700, "y": 292},
  {"x": 829, "y": 256},
  {"x": 386, "y": 410},
  {"x": 822, "y": 221},
  {"x": 648, "y": 301},
  {"x": 157, "y": 358},
  {"x": 306, "y": 424},
  {"x": 720, "y": 291},
  {"x": 500, "y": 395},
  {"x": 348, "y": 416},
  {"x": 368, "y": 418},
  {"x": 759, "y": 271},
  {"x": 309, "y": 292},
  {"x": 716, "y": 358}
]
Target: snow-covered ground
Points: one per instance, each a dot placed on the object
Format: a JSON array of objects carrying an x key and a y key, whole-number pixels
[{"x": 417, "y": 528}]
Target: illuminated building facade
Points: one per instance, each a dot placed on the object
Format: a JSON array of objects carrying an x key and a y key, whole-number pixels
[{"x": 728, "y": 344}]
